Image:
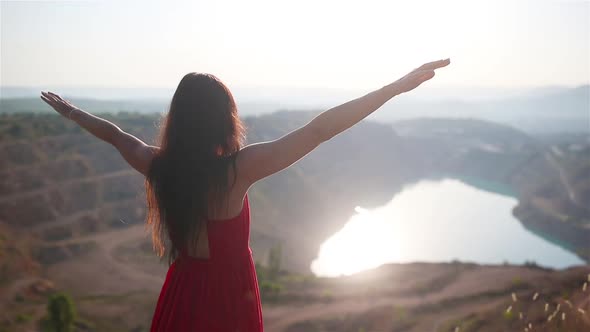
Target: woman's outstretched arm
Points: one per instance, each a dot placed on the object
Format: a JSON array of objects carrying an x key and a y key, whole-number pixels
[
  {"x": 134, "y": 151},
  {"x": 260, "y": 160}
]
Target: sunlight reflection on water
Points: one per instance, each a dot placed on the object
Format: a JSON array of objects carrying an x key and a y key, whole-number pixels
[{"x": 436, "y": 221}]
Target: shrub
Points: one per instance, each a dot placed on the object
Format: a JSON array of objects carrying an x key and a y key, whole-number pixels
[
  {"x": 19, "y": 298},
  {"x": 270, "y": 290},
  {"x": 274, "y": 261},
  {"x": 61, "y": 314}
]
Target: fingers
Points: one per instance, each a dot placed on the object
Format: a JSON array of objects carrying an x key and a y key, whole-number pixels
[
  {"x": 58, "y": 105},
  {"x": 48, "y": 100},
  {"x": 53, "y": 104},
  {"x": 54, "y": 95},
  {"x": 45, "y": 99},
  {"x": 59, "y": 99},
  {"x": 49, "y": 97},
  {"x": 435, "y": 64}
]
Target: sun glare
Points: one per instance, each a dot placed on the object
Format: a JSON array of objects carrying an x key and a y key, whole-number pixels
[
  {"x": 303, "y": 44},
  {"x": 436, "y": 221}
]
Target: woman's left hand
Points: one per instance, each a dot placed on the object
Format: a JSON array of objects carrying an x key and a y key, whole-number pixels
[
  {"x": 418, "y": 76},
  {"x": 59, "y": 104}
]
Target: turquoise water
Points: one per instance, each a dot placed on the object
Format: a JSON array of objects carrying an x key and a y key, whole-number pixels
[{"x": 437, "y": 221}]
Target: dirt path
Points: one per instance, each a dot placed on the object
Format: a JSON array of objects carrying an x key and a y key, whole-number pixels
[
  {"x": 468, "y": 283},
  {"x": 110, "y": 274},
  {"x": 56, "y": 185},
  {"x": 278, "y": 319},
  {"x": 439, "y": 318}
]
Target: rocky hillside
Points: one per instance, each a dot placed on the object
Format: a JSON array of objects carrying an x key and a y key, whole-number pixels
[
  {"x": 549, "y": 175},
  {"x": 64, "y": 184}
]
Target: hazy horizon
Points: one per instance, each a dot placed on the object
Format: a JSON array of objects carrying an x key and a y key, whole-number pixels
[
  {"x": 268, "y": 93},
  {"x": 495, "y": 46}
]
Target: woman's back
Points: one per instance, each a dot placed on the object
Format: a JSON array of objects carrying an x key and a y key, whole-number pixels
[{"x": 200, "y": 294}]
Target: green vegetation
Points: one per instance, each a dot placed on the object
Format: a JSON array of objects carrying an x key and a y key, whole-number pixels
[
  {"x": 277, "y": 285},
  {"x": 274, "y": 261},
  {"x": 268, "y": 283},
  {"x": 24, "y": 318},
  {"x": 508, "y": 315},
  {"x": 517, "y": 281},
  {"x": 61, "y": 314},
  {"x": 270, "y": 291},
  {"x": 327, "y": 295}
]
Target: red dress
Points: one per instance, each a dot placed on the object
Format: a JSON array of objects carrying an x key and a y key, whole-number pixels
[{"x": 217, "y": 294}]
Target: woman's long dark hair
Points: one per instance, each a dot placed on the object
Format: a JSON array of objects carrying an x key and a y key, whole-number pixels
[{"x": 199, "y": 140}]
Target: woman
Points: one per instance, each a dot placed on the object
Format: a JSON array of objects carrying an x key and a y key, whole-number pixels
[{"x": 197, "y": 180}]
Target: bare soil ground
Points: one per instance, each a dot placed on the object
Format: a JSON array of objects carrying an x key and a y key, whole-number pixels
[{"x": 116, "y": 285}]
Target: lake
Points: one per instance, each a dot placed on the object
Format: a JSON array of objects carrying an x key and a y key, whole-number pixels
[{"x": 437, "y": 221}]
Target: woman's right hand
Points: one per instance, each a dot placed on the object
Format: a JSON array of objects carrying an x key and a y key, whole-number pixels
[
  {"x": 418, "y": 76},
  {"x": 60, "y": 105}
]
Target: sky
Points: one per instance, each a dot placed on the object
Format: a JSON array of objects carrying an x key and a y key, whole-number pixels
[{"x": 301, "y": 44}]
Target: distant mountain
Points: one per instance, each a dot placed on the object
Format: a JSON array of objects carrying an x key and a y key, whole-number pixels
[
  {"x": 547, "y": 110},
  {"x": 551, "y": 109},
  {"x": 90, "y": 92},
  {"x": 145, "y": 105},
  {"x": 36, "y": 105}
]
